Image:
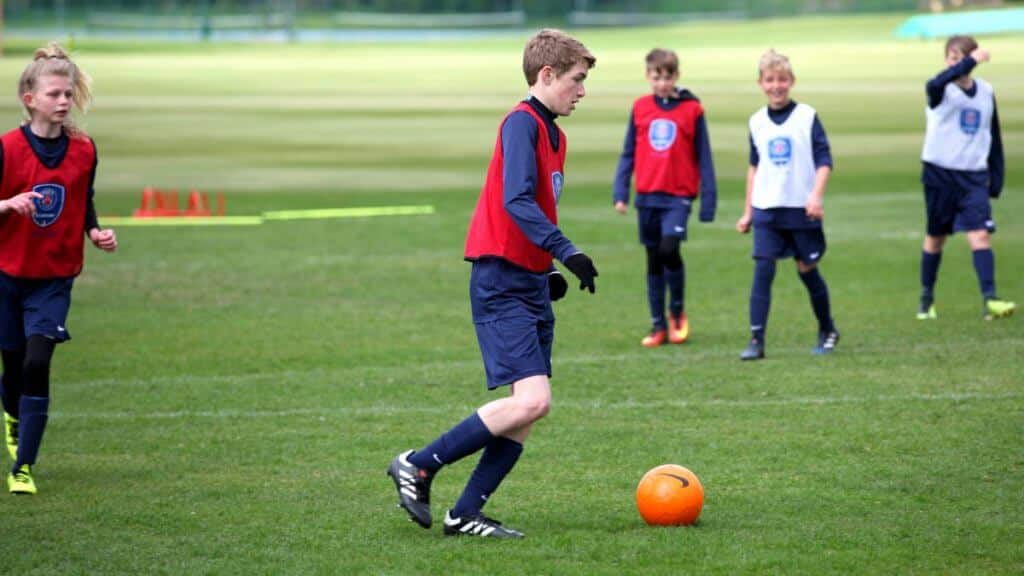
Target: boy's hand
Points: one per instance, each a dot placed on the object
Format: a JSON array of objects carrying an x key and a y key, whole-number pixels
[
  {"x": 707, "y": 215},
  {"x": 815, "y": 209},
  {"x": 743, "y": 224},
  {"x": 20, "y": 204},
  {"x": 557, "y": 286},
  {"x": 105, "y": 240},
  {"x": 980, "y": 55},
  {"x": 583, "y": 268},
  {"x": 621, "y": 207}
]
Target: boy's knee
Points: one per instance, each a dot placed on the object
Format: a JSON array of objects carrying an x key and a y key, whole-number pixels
[
  {"x": 805, "y": 267},
  {"x": 653, "y": 261},
  {"x": 534, "y": 408},
  {"x": 979, "y": 240},
  {"x": 668, "y": 252},
  {"x": 933, "y": 244}
]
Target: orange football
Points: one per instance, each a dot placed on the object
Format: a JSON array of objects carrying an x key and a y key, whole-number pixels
[{"x": 669, "y": 495}]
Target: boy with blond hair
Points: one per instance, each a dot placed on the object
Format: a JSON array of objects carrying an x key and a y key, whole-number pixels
[
  {"x": 668, "y": 148},
  {"x": 512, "y": 240},
  {"x": 962, "y": 167},
  {"x": 790, "y": 162}
]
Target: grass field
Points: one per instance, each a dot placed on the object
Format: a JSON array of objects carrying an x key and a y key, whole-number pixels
[{"x": 233, "y": 395}]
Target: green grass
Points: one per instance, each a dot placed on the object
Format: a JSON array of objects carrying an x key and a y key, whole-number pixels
[{"x": 233, "y": 395}]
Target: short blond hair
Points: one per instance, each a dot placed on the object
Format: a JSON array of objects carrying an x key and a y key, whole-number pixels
[
  {"x": 772, "y": 60},
  {"x": 663, "y": 61},
  {"x": 554, "y": 48}
]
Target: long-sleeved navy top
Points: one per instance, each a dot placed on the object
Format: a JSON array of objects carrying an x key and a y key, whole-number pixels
[
  {"x": 705, "y": 162},
  {"x": 935, "y": 88},
  {"x": 50, "y": 152},
  {"x": 519, "y": 148}
]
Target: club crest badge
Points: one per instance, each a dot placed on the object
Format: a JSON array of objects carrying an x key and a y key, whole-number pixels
[
  {"x": 662, "y": 134},
  {"x": 780, "y": 150},
  {"x": 50, "y": 206},
  {"x": 557, "y": 180},
  {"x": 970, "y": 120}
]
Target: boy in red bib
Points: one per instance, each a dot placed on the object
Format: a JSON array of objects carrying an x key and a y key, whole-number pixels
[
  {"x": 48, "y": 168},
  {"x": 668, "y": 148},
  {"x": 512, "y": 241}
]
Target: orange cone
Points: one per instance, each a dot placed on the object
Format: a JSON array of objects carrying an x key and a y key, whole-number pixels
[
  {"x": 195, "y": 205},
  {"x": 145, "y": 209}
]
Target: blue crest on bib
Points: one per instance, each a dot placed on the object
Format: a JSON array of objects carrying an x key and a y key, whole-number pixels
[
  {"x": 662, "y": 134},
  {"x": 970, "y": 120},
  {"x": 557, "y": 180},
  {"x": 780, "y": 150},
  {"x": 49, "y": 207}
]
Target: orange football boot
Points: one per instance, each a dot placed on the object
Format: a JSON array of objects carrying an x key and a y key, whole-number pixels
[{"x": 678, "y": 328}]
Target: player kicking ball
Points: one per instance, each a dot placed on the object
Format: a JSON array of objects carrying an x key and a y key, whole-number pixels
[{"x": 512, "y": 240}]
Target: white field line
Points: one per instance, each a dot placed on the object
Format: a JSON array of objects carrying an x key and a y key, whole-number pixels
[
  {"x": 389, "y": 409},
  {"x": 646, "y": 356}
]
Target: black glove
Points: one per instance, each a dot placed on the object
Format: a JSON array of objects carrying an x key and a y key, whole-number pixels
[
  {"x": 557, "y": 286},
  {"x": 583, "y": 268}
]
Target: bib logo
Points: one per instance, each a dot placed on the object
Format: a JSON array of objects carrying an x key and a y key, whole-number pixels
[
  {"x": 557, "y": 180},
  {"x": 49, "y": 207},
  {"x": 970, "y": 120},
  {"x": 780, "y": 150},
  {"x": 662, "y": 134}
]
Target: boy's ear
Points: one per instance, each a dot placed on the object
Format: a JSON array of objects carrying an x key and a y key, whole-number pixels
[
  {"x": 27, "y": 98},
  {"x": 546, "y": 75}
]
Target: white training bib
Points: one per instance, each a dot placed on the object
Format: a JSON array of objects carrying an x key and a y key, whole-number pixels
[
  {"x": 959, "y": 132},
  {"x": 785, "y": 171}
]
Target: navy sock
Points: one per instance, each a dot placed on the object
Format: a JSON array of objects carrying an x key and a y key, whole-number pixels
[
  {"x": 497, "y": 461},
  {"x": 463, "y": 439},
  {"x": 656, "y": 300},
  {"x": 31, "y": 424},
  {"x": 10, "y": 400},
  {"x": 929, "y": 274},
  {"x": 818, "y": 291},
  {"x": 11, "y": 381},
  {"x": 761, "y": 297},
  {"x": 676, "y": 280},
  {"x": 985, "y": 268}
]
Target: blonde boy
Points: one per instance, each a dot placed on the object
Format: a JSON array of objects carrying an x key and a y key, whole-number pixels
[{"x": 790, "y": 162}]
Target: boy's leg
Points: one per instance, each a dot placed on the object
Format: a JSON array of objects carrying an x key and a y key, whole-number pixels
[
  {"x": 810, "y": 246},
  {"x": 649, "y": 221},
  {"x": 10, "y": 391},
  {"x": 656, "y": 289},
  {"x": 35, "y": 400},
  {"x": 761, "y": 297},
  {"x": 511, "y": 419},
  {"x": 940, "y": 211},
  {"x": 931, "y": 258},
  {"x": 985, "y": 268}
]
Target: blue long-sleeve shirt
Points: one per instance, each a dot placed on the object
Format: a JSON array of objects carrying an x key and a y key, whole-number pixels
[
  {"x": 705, "y": 162},
  {"x": 935, "y": 89},
  {"x": 519, "y": 178}
]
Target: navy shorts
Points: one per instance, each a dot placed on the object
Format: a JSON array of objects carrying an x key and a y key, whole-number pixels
[
  {"x": 656, "y": 223},
  {"x": 30, "y": 307},
  {"x": 514, "y": 322},
  {"x": 957, "y": 209},
  {"x": 805, "y": 244}
]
